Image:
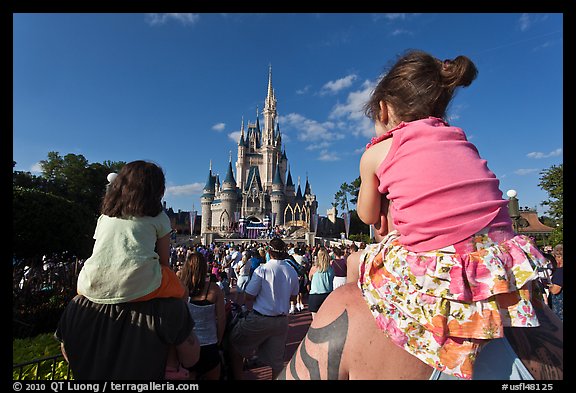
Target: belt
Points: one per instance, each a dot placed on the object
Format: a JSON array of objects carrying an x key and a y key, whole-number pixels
[{"x": 270, "y": 316}]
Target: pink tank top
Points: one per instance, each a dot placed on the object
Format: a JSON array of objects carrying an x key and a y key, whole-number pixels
[{"x": 442, "y": 191}]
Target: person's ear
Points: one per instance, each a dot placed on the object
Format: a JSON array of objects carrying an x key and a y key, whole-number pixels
[{"x": 383, "y": 114}]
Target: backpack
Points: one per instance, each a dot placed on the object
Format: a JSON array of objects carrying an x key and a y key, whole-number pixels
[{"x": 300, "y": 269}]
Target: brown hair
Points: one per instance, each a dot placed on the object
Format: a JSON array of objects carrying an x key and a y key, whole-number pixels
[
  {"x": 323, "y": 260},
  {"x": 137, "y": 191},
  {"x": 277, "y": 249},
  {"x": 193, "y": 273},
  {"x": 419, "y": 85}
]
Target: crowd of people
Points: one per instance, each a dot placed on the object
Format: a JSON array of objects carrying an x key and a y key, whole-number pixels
[{"x": 447, "y": 290}]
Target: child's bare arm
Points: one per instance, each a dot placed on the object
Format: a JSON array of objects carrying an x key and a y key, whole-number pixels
[
  {"x": 369, "y": 198},
  {"x": 163, "y": 249}
]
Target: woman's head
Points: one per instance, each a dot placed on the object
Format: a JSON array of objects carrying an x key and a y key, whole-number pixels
[
  {"x": 558, "y": 253},
  {"x": 194, "y": 272},
  {"x": 419, "y": 85},
  {"x": 136, "y": 191},
  {"x": 323, "y": 259}
]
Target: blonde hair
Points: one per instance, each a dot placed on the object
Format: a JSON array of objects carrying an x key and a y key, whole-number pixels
[{"x": 323, "y": 260}]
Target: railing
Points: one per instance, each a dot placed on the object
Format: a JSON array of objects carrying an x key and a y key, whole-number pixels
[{"x": 30, "y": 370}]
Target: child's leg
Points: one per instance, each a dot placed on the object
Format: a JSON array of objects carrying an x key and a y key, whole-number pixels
[
  {"x": 172, "y": 359},
  {"x": 174, "y": 369},
  {"x": 169, "y": 287}
]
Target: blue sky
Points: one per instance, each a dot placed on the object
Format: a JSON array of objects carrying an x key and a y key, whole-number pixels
[{"x": 173, "y": 88}]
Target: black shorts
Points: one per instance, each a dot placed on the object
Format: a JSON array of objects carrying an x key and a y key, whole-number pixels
[
  {"x": 209, "y": 358},
  {"x": 315, "y": 300}
]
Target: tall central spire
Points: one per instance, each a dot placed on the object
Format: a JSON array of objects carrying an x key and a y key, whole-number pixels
[
  {"x": 270, "y": 90},
  {"x": 269, "y": 111}
]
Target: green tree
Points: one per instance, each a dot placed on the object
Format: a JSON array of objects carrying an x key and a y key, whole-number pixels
[
  {"x": 44, "y": 223},
  {"x": 552, "y": 181},
  {"x": 57, "y": 211},
  {"x": 73, "y": 178},
  {"x": 347, "y": 194}
]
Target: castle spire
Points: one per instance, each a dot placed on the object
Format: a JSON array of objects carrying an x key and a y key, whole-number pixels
[
  {"x": 241, "y": 141},
  {"x": 270, "y": 90}
]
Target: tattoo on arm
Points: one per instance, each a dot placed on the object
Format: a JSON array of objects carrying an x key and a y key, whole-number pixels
[{"x": 334, "y": 334}]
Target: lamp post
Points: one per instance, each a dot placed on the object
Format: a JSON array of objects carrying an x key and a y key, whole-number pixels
[{"x": 513, "y": 208}]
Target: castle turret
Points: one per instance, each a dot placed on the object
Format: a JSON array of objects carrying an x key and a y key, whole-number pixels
[
  {"x": 206, "y": 201},
  {"x": 277, "y": 197},
  {"x": 290, "y": 189},
  {"x": 228, "y": 197}
]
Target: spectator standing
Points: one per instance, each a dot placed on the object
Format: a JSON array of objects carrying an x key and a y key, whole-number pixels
[
  {"x": 321, "y": 281},
  {"x": 206, "y": 306},
  {"x": 242, "y": 271},
  {"x": 264, "y": 330},
  {"x": 339, "y": 266},
  {"x": 302, "y": 269},
  {"x": 258, "y": 258},
  {"x": 556, "y": 297}
]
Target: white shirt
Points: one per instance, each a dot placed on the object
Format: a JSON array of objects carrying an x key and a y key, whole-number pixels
[{"x": 273, "y": 283}]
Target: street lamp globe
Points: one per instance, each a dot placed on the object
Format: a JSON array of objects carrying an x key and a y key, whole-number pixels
[{"x": 511, "y": 193}]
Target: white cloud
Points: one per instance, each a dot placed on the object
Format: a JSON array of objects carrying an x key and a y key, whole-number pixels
[
  {"x": 36, "y": 168},
  {"x": 219, "y": 127},
  {"x": 538, "y": 155},
  {"x": 398, "y": 32},
  {"x": 310, "y": 130},
  {"x": 334, "y": 87},
  {"x": 318, "y": 146},
  {"x": 160, "y": 19},
  {"x": 395, "y": 16},
  {"x": 186, "y": 189},
  {"x": 524, "y": 22},
  {"x": 235, "y": 136},
  {"x": 327, "y": 156},
  {"x": 353, "y": 111},
  {"x": 525, "y": 171},
  {"x": 304, "y": 90}
]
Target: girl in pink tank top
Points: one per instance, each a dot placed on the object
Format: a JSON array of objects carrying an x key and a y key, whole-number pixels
[{"x": 449, "y": 273}]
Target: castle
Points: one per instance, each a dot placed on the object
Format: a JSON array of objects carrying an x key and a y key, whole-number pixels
[{"x": 262, "y": 195}]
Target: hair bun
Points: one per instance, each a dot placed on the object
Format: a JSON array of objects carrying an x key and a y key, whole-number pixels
[{"x": 458, "y": 72}]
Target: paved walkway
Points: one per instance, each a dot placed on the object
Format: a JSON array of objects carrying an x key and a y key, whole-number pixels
[{"x": 298, "y": 325}]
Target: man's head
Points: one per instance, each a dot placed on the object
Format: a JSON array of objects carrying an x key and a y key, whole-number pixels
[{"x": 277, "y": 248}]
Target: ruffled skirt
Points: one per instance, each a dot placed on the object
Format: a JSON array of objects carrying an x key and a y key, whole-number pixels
[{"x": 441, "y": 306}]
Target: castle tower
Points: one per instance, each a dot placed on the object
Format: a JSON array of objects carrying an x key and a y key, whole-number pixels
[
  {"x": 263, "y": 186},
  {"x": 206, "y": 201},
  {"x": 241, "y": 161},
  {"x": 269, "y": 112},
  {"x": 228, "y": 198},
  {"x": 277, "y": 197}
]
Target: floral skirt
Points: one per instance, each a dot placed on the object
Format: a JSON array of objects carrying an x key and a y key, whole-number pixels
[{"x": 441, "y": 306}]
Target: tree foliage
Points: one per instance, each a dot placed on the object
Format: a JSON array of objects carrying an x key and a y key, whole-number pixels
[
  {"x": 347, "y": 195},
  {"x": 57, "y": 211},
  {"x": 45, "y": 224},
  {"x": 552, "y": 181}
]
